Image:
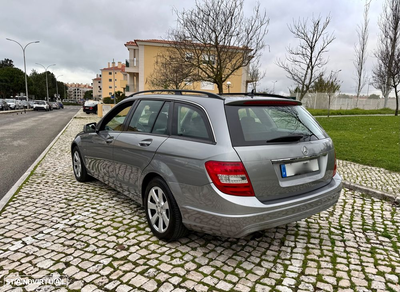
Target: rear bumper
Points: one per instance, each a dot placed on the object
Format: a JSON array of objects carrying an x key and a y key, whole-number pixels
[{"x": 239, "y": 216}]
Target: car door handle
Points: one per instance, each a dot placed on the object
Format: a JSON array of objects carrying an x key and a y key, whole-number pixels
[
  {"x": 145, "y": 143},
  {"x": 109, "y": 140}
]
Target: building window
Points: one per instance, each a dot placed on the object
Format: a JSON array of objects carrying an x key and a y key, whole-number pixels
[
  {"x": 110, "y": 93},
  {"x": 110, "y": 86},
  {"x": 109, "y": 73},
  {"x": 209, "y": 59},
  {"x": 188, "y": 56},
  {"x": 207, "y": 85},
  {"x": 109, "y": 80}
]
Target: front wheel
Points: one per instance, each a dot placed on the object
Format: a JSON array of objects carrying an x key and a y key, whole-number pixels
[
  {"x": 162, "y": 211},
  {"x": 80, "y": 171}
]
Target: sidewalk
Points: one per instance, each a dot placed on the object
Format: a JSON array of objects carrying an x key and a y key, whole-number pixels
[{"x": 92, "y": 238}]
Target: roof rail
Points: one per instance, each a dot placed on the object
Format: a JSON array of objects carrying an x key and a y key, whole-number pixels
[
  {"x": 252, "y": 94},
  {"x": 178, "y": 92}
]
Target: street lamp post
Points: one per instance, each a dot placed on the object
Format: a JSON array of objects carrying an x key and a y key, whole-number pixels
[
  {"x": 229, "y": 86},
  {"x": 273, "y": 87},
  {"x": 23, "y": 52},
  {"x": 57, "y": 85},
  {"x": 47, "y": 84}
]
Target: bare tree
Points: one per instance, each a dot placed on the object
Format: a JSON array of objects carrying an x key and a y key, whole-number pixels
[
  {"x": 305, "y": 62},
  {"x": 170, "y": 72},
  {"x": 388, "y": 49},
  {"x": 217, "y": 40},
  {"x": 361, "y": 52},
  {"x": 255, "y": 73}
]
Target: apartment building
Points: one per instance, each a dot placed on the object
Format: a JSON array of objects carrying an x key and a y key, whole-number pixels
[
  {"x": 113, "y": 79},
  {"x": 97, "y": 84},
  {"x": 141, "y": 61},
  {"x": 76, "y": 91}
]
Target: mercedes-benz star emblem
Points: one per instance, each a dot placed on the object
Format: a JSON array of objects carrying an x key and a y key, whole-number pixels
[{"x": 305, "y": 150}]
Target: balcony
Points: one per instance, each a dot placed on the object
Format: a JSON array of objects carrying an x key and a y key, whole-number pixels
[{"x": 132, "y": 65}]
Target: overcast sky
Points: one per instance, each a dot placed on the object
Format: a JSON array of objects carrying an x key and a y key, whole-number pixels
[{"x": 80, "y": 37}]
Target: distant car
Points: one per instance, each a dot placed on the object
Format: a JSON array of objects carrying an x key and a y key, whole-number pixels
[
  {"x": 4, "y": 105},
  {"x": 90, "y": 106},
  {"x": 225, "y": 165},
  {"x": 25, "y": 104},
  {"x": 40, "y": 105},
  {"x": 12, "y": 103},
  {"x": 55, "y": 105},
  {"x": 31, "y": 102}
]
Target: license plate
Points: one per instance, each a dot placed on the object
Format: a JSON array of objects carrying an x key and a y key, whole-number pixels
[{"x": 297, "y": 168}]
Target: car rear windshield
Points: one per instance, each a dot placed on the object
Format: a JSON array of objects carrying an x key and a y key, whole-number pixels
[{"x": 264, "y": 124}]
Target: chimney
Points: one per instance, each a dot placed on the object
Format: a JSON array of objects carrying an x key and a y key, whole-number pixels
[
  {"x": 119, "y": 65},
  {"x": 108, "y": 64}
]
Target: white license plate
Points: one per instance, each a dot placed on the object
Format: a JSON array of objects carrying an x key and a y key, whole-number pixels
[{"x": 297, "y": 168}]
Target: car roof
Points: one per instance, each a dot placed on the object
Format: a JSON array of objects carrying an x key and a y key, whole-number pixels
[{"x": 227, "y": 98}]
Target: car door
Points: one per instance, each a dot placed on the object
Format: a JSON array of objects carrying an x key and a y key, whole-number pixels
[
  {"x": 135, "y": 148},
  {"x": 98, "y": 147}
]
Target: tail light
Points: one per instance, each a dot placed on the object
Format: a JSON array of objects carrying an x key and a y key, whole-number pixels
[
  {"x": 230, "y": 178},
  {"x": 335, "y": 167}
]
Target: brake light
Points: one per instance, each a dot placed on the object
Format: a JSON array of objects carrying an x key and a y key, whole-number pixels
[
  {"x": 335, "y": 167},
  {"x": 271, "y": 102},
  {"x": 230, "y": 178}
]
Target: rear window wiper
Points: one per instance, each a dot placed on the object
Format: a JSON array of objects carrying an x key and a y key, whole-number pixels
[{"x": 290, "y": 138}]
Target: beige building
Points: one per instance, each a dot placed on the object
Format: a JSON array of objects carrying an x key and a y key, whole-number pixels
[
  {"x": 140, "y": 66},
  {"x": 76, "y": 91},
  {"x": 113, "y": 79},
  {"x": 96, "y": 83}
]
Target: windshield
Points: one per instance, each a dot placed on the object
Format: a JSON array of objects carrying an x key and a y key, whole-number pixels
[
  {"x": 260, "y": 125},
  {"x": 10, "y": 100}
]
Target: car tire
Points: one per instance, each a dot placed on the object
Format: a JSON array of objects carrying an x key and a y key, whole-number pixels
[
  {"x": 79, "y": 167},
  {"x": 162, "y": 211}
]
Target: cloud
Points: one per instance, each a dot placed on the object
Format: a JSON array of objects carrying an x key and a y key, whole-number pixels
[{"x": 81, "y": 37}]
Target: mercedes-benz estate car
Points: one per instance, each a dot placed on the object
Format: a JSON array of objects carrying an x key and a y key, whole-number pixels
[{"x": 224, "y": 165}]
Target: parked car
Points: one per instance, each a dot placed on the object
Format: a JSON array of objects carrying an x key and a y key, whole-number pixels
[
  {"x": 12, "y": 103},
  {"x": 31, "y": 102},
  {"x": 3, "y": 105},
  {"x": 55, "y": 105},
  {"x": 90, "y": 106},
  {"x": 224, "y": 165},
  {"x": 40, "y": 105},
  {"x": 60, "y": 104},
  {"x": 25, "y": 104}
]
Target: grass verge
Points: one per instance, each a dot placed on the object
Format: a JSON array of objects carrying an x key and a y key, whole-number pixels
[
  {"x": 356, "y": 111},
  {"x": 373, "y": 141}
]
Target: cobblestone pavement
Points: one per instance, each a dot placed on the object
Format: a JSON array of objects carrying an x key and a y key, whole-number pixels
[
  {"x": 95, "y": 239},
  {"x": 371, "y": 177}
]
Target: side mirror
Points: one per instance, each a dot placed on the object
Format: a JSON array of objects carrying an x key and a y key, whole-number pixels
[{"x": 89, "y": 128}]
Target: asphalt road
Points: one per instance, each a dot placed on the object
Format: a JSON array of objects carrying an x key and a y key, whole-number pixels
[{"x": 23, "y": 138}]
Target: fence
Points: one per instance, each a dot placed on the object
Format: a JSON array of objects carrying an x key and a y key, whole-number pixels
[{"x": 320, "y": 101}]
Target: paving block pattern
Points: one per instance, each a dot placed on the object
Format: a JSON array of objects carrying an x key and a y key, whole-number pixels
[
  {"x": 98, "y": 240},
  {"x": 370, "y": 177}
]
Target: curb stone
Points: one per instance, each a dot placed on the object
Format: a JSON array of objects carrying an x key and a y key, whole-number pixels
[{"x": 395, "y": 200}]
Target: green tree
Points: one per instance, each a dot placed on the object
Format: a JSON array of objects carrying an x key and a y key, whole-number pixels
[
  {"x": 6, "y": 63},
  {"x": 374, "y": 96},
  {"x": 12, "y": 81},
  {"x": 88, "y": 95},
  {"x": 119, "y": 95},
  {"x": 329, "y": 85}
]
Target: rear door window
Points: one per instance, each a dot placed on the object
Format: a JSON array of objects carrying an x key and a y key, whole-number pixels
[
  {"x": 259, "y": 125},
  {"x": 145, "y": 116}
]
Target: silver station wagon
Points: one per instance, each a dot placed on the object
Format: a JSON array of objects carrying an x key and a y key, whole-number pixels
[{"x": 227, "y": 165}]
